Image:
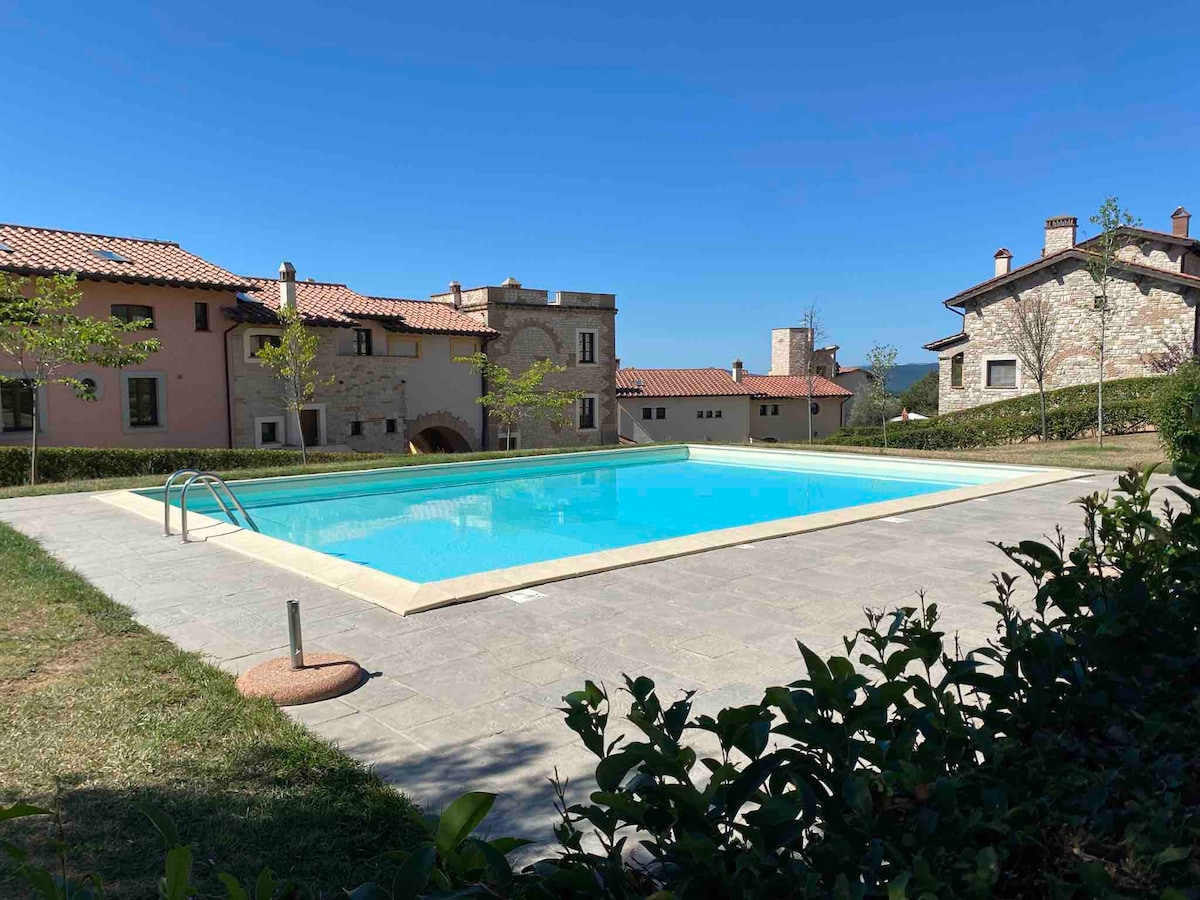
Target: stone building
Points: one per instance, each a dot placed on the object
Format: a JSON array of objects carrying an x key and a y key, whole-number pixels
[
  {"x": 1152, "y": 301},
  {"x": 576, "y": 330},
  {"x": 792, "y": 347}
]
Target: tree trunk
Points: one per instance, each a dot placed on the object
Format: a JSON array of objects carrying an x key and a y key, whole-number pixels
[
  {"x": 1100, "y": 382},
  {"x": 300, "y": 435},
  {"x": 1042, "y": 394},
  {"x": 810, "y": 412},
  {"x": 885, "y": 418},
  {"x": 33, "y": 446}
]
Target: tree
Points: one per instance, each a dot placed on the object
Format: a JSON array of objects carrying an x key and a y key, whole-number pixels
[
  {"x": 511, "y": 399},
  {"x": 43, "y": 335},
  {"x": 810, "y": 320},
  {"x": 1104, "y": 263},
  {"x": 869, "y": 408},
  {"x": 293, "y": 362},
  {"x": 922, "y": 395},
  {"x": 1031, "y": 330},
  {"x": 881, "y": 359}
]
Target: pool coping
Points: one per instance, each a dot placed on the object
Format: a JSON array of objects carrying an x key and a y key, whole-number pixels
[{"x": 403, "y": 597}]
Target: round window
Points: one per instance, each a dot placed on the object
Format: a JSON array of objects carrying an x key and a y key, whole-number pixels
[
  {"x": 815, "y": 408},
  {"x": 93, "y": 388}
]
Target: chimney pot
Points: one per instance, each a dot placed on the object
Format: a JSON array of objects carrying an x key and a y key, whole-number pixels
[
  {"x": 287, "y": 285},
  {"x": 510, "y": 282},
  {"x": 456, "y": 290},
  {"x": 1060, "y": 234},
  {"x": 738, "y": 371},
  {"x": 1179, "y": 222},
  {"x": 1003, "y": 261}
]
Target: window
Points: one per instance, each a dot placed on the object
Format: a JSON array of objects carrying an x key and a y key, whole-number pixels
[
  {"x": 110, "y": 255},
  {"x": 356, "y": 428},
  {"x": 708, "y": 414},
  {"x": 16, "y": 406},
  {"x": 132, "y": 312},
  {"x": 201, "y": 311},
  {"x": 253, "y": 341},
  {"x": 399, "y": 345},
  {"x": 815, "y": 409},
  {"x": 762, "y": 410},
  {"x": 268, "y": 431},
  {"x": 143, "y": 402},
  {"x": 587, "y": 412},
  {"x": 647, "y": 412},
  {"x": 1002, "y": 373},
  {"x": 660, "y": 412},
  {"x": 362, "y": 341},
  {"x": 956, "y": 370},
  {"x": 587, "y": 347},
  {"x": 389, "y": 426},
  {"x": 823, "y": 371},
  {"x": 699, "y": 414},
  {"x": 771, "y": 409},
  {"x": 717, "y": 414},
  {"x": 774, "y": 409},
  {"x": 509, "y": 441}
]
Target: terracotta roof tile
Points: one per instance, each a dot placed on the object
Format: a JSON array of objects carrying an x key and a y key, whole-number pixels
[
  {"x": 715, "y": 382},
  {"x": 325, "y": 303},
  {"x": 46, "y": 251},
  {"x": 783, "y": 386}
]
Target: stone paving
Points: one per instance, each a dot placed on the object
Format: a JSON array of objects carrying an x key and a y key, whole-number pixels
[{"x": 465, "y": 697}]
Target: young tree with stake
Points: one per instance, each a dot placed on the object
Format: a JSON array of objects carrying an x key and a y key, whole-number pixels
[
  {"x": 43, "y": 335},
  {"x": 293, "y": 360},
  {"x": 1103, "y": 265},
  {"x": 1031, "y": 331},
  {"x": 512, "y": 399},
  {"x": 810, "y": 320},
  {"x": 881, "y": 359}
]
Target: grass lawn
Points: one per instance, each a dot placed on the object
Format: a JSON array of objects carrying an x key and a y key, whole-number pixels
[
  {"x": 1119, "y": 452},
  {"x": 104, "y": 712}
]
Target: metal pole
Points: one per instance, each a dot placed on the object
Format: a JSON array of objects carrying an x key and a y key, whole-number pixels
[{"x": 297, "y": 642}]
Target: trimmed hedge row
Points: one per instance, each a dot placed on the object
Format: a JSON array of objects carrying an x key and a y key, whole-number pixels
[
  {"x": 1143, "y": 390},
  {"x": 955, "y": 432},
  {"x": 78, "y": 463}
]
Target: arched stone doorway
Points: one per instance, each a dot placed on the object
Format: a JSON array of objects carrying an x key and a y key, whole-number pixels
[{"x": 440, "y": 439}]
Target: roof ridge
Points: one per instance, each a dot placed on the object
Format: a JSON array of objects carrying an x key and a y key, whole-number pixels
[
  {"x": 116, "y": 237},
  {"x": 275, "y": 280}
]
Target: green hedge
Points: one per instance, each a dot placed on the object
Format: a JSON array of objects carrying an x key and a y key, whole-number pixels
[
  {"x": 1130, "y": 404},
  {"x": 76, "y": 463},
  {"x": 1176, "y": 413}
]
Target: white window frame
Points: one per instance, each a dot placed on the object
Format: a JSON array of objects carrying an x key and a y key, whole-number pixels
[
  {"x": 280, "y": 431},
  {"x": 161, "y": 378},
  {"x": 322, "y": 435},
  {"x": 595, "y": 398},
  {"x": 43, "y": 412},
  {"x": 595, "y": 333},
  {"x": 1000, "y": 357},
  {"x": 248, "y": 351}
]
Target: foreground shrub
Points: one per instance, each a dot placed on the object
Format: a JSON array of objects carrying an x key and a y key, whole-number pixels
[
  {"x": 1059, "y": 760},
  {"x": 80, "y": 463},
  {"x": 1175, "y": 412}
]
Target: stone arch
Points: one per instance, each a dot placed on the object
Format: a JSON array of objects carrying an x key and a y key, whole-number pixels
[
  {"x": 512, "y": 332},
  {"x": 445, "y": 428}
]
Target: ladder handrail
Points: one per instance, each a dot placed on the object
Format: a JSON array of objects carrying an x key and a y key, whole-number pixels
[
  {"x": 207, "y": 482},
  {"x": 189, "y": 470},
  {"x": 207, "y": 479}
]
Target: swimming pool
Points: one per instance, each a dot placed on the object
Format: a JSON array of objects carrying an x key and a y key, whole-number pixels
[{"x": 434, "y": 523}]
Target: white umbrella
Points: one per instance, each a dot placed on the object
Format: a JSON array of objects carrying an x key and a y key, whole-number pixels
[{"x": 912, "y": 417}]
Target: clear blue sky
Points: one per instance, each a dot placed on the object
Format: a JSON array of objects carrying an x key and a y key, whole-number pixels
[{"x": 718, "y": 166}]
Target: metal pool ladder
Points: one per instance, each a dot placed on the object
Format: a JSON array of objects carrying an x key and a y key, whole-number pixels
[{"x": 208, "y": 479}]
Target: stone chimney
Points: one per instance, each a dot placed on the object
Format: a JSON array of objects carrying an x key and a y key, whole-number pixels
[
  {"x": 456, "y": 290},
  {"x": 788, "y": 349},
  {"x": 287, "y": 285},
  {"x": 510, "y": 282},
  {"x": 1179, "y": 222},
  {"x": 1060, "y": 234},
  {"x": 738, "y": 371},
  {"x": 1003, "y": 261}
]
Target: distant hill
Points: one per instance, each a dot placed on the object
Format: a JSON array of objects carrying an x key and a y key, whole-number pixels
[{"x": 903, "y": 376}]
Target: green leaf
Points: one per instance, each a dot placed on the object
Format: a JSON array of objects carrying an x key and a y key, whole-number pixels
[
  {"x": 413, "y": 874},
  {"x": 857, "y": 794},
  {"x": 178, "y": 882},
  {"x": 233, "y": 887},
  {"x": 264, "y": 887},
  {"x": 611, "y": 770},
  {"x": 1172, "y": 855},
  {"x": 898, "y": 886},
  {"x": 368, "y": 891},
  {"x": 162, "y": 823},
  {"x": 20, "y": 810},
  {"x": 507, "y": 845},
  {"x": 494, "y": 858},
  {"x": 462, "y": 817}
]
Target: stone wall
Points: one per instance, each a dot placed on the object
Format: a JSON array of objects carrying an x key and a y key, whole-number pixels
[
  {"x": 1144, "y": 319},
  {"x": 534, "y": 327},
  {"x": 366, "y": 389}
]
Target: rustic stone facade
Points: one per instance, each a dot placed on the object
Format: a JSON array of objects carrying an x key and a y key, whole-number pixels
[
  {"x": 1148, "y": 313},
  {"x": 534, "y": 327},
  {"x": 368, "y": 390},
  {"x": 790, "y": 346}
]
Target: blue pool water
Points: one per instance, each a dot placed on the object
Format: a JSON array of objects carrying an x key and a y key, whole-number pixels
[{"x": 468, "y": 518}]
